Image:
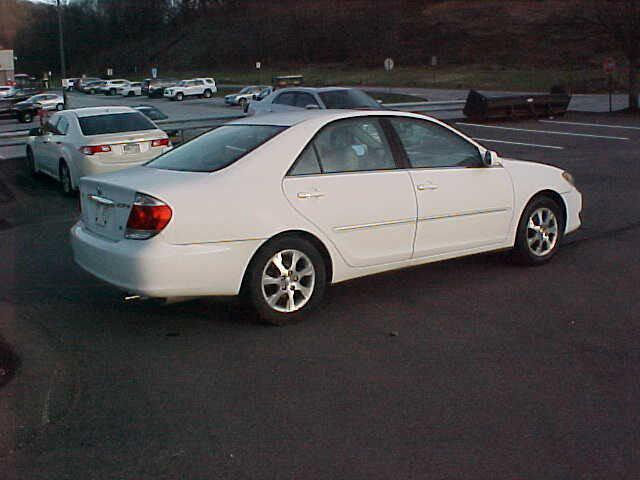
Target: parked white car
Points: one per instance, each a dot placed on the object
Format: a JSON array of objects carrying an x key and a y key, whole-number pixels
[
  {"x": 187, "y": 88},
  {"x": 110, "y": 87},
  {"x": 278, "y": 206},
  {"x": 131, "y": 90},
  {"x": 7, "y": 91},
  {"x": 252, "y": 92},
  {"x": 47, "y": 101},
  {"x": 91, "y": 141}
]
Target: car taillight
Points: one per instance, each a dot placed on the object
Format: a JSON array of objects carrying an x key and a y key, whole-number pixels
[
  {"x": 147, "y": 218},
  {"x": 93, "y": 149},
  {"x": 162, "y": 142}
]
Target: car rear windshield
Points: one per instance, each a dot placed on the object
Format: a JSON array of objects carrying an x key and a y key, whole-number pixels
[
  {"x": 115, "y": 123},
  {"x": 216, "y": 149},
  {"x": 348, "y": 99}
]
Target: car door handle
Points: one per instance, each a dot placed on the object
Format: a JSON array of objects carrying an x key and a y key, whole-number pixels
[
  {"x": 304, "y": 195},
  {"x": 427, "y": 186}
]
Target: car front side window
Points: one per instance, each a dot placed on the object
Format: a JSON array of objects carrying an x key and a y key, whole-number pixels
[{"x": 429, "y": 145}]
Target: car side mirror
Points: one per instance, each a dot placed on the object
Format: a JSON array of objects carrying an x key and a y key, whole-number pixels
[
  {"x": 312, "y": 106},
  {"x": 489, "y": 158},
  {"x": 35, "y": 132}
]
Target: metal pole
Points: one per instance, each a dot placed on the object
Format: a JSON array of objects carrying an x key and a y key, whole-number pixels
[
  {"x": 610, "y": 92},
  {"x": 63, "y": 67}
]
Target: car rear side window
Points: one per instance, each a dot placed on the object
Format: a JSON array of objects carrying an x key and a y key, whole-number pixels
[
  {"x": 216, "y": 149},
  {"x": 348, "y": 99},
  {"x": 307, "y": 163},
  {"x": 114, "y": 123}
]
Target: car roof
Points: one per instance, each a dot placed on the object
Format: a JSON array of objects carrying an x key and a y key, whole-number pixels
[
  {"x": 313, "y": 89},
  {"x": 93, "y": 111},
  {"x": 288, "y": 119}
]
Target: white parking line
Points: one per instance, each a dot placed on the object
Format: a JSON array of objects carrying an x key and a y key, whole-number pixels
[
  {"x": 519, "y": 143},
  {"x": 542, "y": 131},
  {"x": 589, "y": 124}
]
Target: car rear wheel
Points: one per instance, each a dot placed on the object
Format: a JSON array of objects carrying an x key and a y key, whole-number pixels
[
  {"x": 31, "y": 163},
  {"x": 65, "y": 179},
  {"x": 207, "y": 94},
  {"x": 285, "y": 280},
  {"x": 112, "y": 91},
  {"x": 539, "y": 232},
  {"x": 60, "y": 106},
  {"x": 130, "y": 94}
]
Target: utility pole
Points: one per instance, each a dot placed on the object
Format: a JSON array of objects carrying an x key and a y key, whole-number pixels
[{"x": 63, "y": 67}]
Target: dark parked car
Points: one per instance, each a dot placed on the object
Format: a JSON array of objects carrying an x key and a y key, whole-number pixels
[
  {"x": 150, "y": 112},
  {"x": 154, "y": 87}
]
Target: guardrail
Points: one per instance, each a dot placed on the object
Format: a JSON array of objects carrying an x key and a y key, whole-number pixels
[{"x": 177, "y": 129}]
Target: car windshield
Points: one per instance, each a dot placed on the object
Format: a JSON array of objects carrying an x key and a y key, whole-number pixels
[
  {"x": 216, "y": 149},
  {"x": 115, "y": 123},
  {"x": 347, "y": 99}
]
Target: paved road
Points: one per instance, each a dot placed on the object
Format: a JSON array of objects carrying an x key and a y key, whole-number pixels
[{"x": 496, "y": 371}]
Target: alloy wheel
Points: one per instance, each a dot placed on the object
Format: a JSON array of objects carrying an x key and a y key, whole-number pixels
[
  {"x": 542, "y": 231},
  {"x": 288, "y": 281}
]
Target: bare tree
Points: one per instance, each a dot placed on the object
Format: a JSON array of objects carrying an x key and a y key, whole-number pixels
[{"x": 618, "y": 22}]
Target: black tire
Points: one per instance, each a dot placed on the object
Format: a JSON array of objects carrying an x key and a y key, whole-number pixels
[
  {"x": 112, "y": 91},
  {"x": 31, "y": 163},
  {"x": 530, "y": 247},
  {"x": 243, "y": 103},
  {"x": 60, "y": 106},
  {"x": 179, "y": 96},
  {"x": 92, "y": 91},
  {"x": 207, "y": 94},
  {"x": 131, "y": 94},
  {"x": 255, "y": 293},
  {"x": 26, "y": 117},
  {"x": 65, "y": 179}
]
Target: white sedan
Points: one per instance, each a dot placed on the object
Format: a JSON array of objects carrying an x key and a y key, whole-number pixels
[
  {"x": 90, "y": 141},
  {"x": 278, "y": 206},
  {"x": 130, "y": 90}
]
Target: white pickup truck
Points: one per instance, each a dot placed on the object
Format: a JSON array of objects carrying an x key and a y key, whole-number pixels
[{"x": 203, "y": 87}]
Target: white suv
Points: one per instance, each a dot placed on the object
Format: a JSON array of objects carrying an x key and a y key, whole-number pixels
[
  {"x": 204, "y": 87},
  {"x": 111, "y": 86}
]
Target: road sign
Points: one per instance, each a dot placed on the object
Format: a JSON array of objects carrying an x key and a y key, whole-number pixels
[
  {"x": 154, "y": 72},
  {"x": 388, "y": 64},
  {"x": 258, "y": 65},
  {"x": 109, "y": 72},
  {"x": 609, "y": 65},
  {"x": 434, "y": 61}
]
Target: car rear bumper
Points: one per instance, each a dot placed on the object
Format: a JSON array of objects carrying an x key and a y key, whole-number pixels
[
  {"x": 153, "y": 268},
  {"x": 573, "y": 202}
]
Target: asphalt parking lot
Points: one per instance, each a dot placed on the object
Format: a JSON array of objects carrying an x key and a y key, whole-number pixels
[{"x": 469, "y": 369}]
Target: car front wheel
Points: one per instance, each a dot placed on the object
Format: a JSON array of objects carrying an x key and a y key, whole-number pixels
[
  {"x": 179, "y": 97},
  {"x": 286, "y": 279},
  {"x": 539, "y": 232},
  {"x": 26, "y": 117}
]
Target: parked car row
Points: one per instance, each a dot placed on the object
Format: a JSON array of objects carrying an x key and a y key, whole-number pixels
[{"x": 152, "y": 87}]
